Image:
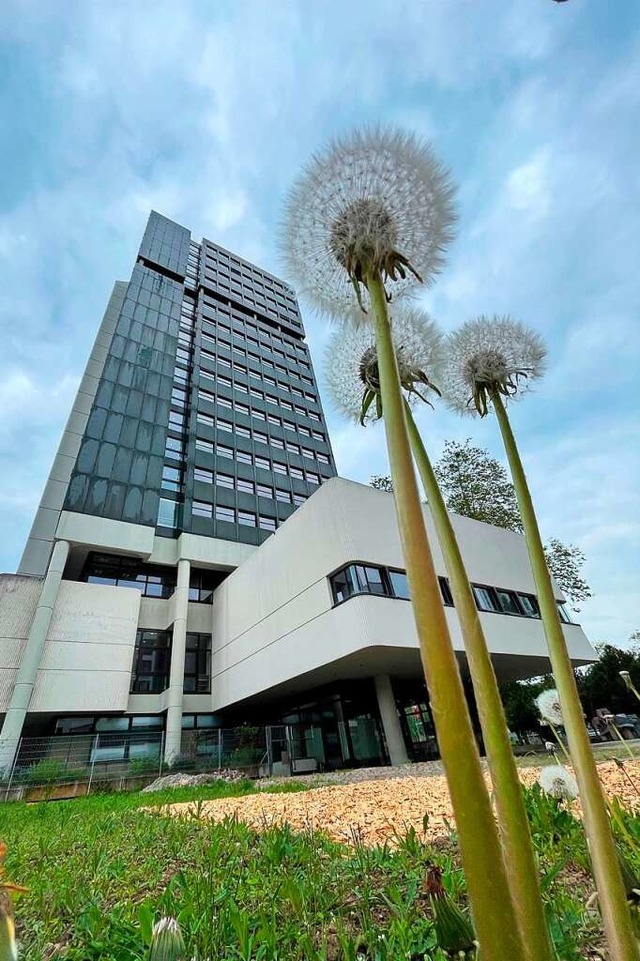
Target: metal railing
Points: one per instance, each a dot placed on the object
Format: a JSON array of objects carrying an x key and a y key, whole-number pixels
[{"x": 69, "y": 765}]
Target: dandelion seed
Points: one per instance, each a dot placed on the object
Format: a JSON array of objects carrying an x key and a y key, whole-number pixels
[
  {"x": 557, "y": 781},
  {"x": 377, "y": 199},
  {"x": 487, "y": 355},
  {"x": 548, "y": 704}
]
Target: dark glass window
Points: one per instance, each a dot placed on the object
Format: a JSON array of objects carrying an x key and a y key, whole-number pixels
[
  {"x": 399, "y": 584},
  {"x": 508, "y": 601},
  {"x": 149, "y": 579},
  {"x": 563, "y": 611},
  {"x": 151, "y": 662},
  {"x": 485, "y": 598},
  {"x": 529, "y": 605},
  {"x": 445, "y": 590},
  {"x": 197, "y": 664}
]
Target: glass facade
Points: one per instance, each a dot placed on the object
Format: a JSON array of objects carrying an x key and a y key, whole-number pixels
[{"x": 207, "y": 417}]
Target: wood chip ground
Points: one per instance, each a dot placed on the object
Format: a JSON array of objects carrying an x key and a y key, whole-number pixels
[{"x": 375, "y": 811}]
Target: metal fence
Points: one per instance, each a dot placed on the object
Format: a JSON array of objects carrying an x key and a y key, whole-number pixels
[{"x": 66, "y": 766}]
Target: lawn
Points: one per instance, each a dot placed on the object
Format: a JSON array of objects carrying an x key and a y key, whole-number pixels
[{"x": 99, "y": 871}]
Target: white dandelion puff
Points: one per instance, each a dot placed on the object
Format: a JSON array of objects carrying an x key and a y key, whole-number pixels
[
  {"x": 559, "y": 782},
  {"x": 374, "y": 200},
  {"x": 487, "y": 355},
  {"x": 351, "y": 366},
  {"x": 548, "y": 704}
]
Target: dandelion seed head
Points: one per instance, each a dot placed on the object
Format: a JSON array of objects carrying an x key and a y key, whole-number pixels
[
  {"x": 490, "y": 354},
  {"x": 367, "y": 198},
  {"x": 559, "y": 782},
  {"x": 548, "y": 704},
  {"x": 351, "y": 360}
]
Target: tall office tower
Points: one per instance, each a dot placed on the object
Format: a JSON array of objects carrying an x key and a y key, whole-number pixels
[
  {"x": 170, "y": 586},
  {"x": 204, "y": 411}
]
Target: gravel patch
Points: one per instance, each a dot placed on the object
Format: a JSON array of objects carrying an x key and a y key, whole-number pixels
[{"x": 191, "y": 780}]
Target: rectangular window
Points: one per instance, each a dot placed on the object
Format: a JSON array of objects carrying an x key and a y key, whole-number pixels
[
  {"x": 242, "y": 431},
  {"x": 273, "y": 419},
  {"x": 220, "y": 450},
  {"x": 314, "y": 416},
  {"x": 297, "y": 473},
  {"x": 225, "y": 381},
  {"x": 283, "y": 496},
  {"x": 307, "y": 453},
  {"x": 223, "y": 480},
  {"x": 151, "y": 663},
  {"x": 166, "y": 513},
  {"x": 173, "y": 448},
  {"x": 197, "y": 664},
  {"x": 293, "y": 448},
  {"x": 529, "y": 605},
  {"x": 485, "y": 599},
  {"x": 171, "y": 478},
  {"x": 263, "y": 463},
  {"x": 286, "y": 405},
  {"x": 206, "y": 396},
  {"x": 258, "y": 415},
  {"x": 243, "y": 457},
  {"x": 507, "y": 601},
  {"x": 223, "y": 402},
  {"x": 225, "y": 514},
  {"x": 224, "y": 425},
  {"x": 176, "y": 419},
  {"x": 204, "y": 445},
  {"x": 245, "y": 486},
  {"x": 263, "y": 491},
  {"x": 299, "y": 499},
  {"x": 204, "y": 476},
  {"x": 246, "y": 519},
  {"x": 271, "y": 400},
  {"x": 223, "y": 362},
  {"x": 267, "y": 523},
  {"x": 563, "y": 611},
  {"x": 200, "y": 509},
  {"x": 259, "y": 436},
  {"x": 343, "y": 584},
  {"x": 242, "y": 388},
  {"x": 399, "y": 584},
  {"x": 242, "y": 408},
  {"x": 278, "y": 443},
  {"x": 288, "y": 425},
  {"x": 323, "y": 459},
  {"x": 279, "y": 468},
  {"x": 312, "y": 478},
  {"x": 205, "y": 419}
]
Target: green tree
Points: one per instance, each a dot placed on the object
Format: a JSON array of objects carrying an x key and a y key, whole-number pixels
[
  {"x": 601, "y": 685},
  {"x": 477, "y": 485},
  {"x": 382, "y": 482}
]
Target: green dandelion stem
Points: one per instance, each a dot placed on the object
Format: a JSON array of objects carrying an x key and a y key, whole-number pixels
[
  {"x": 512, "y": 816},
  {"x": 492, "y": 905},
  {"x": 606, "y": 868}
]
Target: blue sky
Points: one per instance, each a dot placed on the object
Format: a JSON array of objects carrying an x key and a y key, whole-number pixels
[{"x": 206, "y": 112}]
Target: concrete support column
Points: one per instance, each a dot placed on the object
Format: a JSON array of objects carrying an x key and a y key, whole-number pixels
[
  {"x": 31, "y": 657},
  {"x": 390, "y": 720},
  {"x": 176, "y": 676}
]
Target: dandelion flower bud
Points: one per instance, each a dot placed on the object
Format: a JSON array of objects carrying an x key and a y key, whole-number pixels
[{"x": 167, "y": 943}]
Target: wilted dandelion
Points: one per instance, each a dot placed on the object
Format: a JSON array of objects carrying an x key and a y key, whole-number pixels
[
  {"x": 351, "y": 363},
  {"x": 167, "y": 943},
  {"x": 454, "y": 931},
  {"x": 490, "y": 355},
  {"x": 548, "y": 704},
  {"x": 375, "y": 200},
  {"x": 559, "y": 782}
]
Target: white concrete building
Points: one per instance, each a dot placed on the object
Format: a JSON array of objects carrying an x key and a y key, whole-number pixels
[{"x": 195, "y": 562}]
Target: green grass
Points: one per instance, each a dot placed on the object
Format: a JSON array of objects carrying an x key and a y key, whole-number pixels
[{"x": 99, "y": 871}]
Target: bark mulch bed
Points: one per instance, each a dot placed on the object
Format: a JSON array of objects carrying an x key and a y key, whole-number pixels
[{"x": 378, "y": 811}]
